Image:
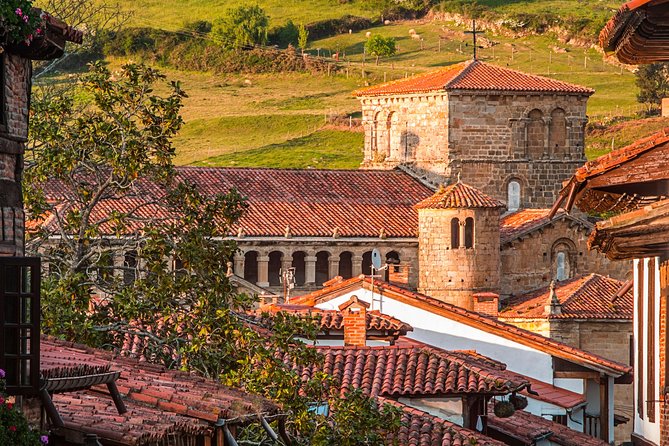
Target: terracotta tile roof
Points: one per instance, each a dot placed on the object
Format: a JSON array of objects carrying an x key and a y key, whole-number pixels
[
  {"x": 420, "y": 428},
  {"x": 525, "y": 221},
  {"x": 95, "y": 413},
  {"x": 587, "y": 297},
  {"x": 352, "y": 203},
  {"x": 471, "y": 318},
  {"x": 157, "y": 387},
  {"x": 473, "y": 75},
  {"x": 637, "y": 33},
  {"x": 332, "y": 320},
  {"x": 577, "y": 189},
  {"x": 528, "y": 428},
  {"x": 410, "y": 371},
  {"x": 554, "y": 395},
  {"x": 459, "y": 195}
]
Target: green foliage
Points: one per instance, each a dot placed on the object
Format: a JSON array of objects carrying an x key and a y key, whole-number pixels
[
  {"x": 302, "y": 37},
  {"x": 331, "y": 27},
  {"x": 653, "y": 83},
  {"x": 18, "y": 23},
  {"x": 14, "y": 428},
  {"x": 380, "y": 46},
  {"x": 284, "y": 35},
  {"x": 198, "y": 27},
  {"x": 242, "y": 26}
]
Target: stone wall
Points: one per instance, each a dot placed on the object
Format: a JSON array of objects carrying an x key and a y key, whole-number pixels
[
  {"x": 13, "y": 134},
  {"x": 529, "y": 263},
  {"x": 454, "y": 275},
  {"x": 404, "y": 128}
]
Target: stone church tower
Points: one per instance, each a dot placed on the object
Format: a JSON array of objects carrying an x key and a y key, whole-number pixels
[
  {"x": 513, "y": 135},
  {"x": 458, "y": 244}
]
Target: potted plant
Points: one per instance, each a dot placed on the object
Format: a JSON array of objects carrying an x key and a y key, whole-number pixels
[
  {"x": 519, "y": 402},
  {"x": 14, "y": 428},
  {"x": 20, "y": 24},
  {"x": 503, "y": 409}
]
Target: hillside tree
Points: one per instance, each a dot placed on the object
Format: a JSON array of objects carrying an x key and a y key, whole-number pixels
[
  {"x": 93, "y": 152},
  {"x": 653, "y": 83},
  {"x": 380, "y": 46},
  {"x": 302, "y": 37},
  {"x": 241, "y": 27}
]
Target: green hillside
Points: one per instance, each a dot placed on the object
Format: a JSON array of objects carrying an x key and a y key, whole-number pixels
[{"x": 281, "y": 118}]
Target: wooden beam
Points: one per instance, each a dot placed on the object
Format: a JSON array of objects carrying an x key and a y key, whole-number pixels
[
  {"x": 577, "y": 375},
  {"x": 604, "y": 408}
]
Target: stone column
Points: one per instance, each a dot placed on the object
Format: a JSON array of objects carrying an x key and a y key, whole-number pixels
[
  {"x": 263, "y": 270},
  {"x": 547, "y": 137},
  {"x": 461, "y": 230},
  {"x": 310, "y": 269},
  {"x": 356, "y": 263},
  {"x": 333, "y": 270},
  {"x": 239, "y": 260}
]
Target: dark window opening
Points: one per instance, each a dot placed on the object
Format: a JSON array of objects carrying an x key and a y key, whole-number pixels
[
  {"x": 322, "y": 267},
  {"x": 469, "y": 232},
  {"x": 455, "y": 233},
  {"x": 251, "y": 266},
  {"x": 179, "y": 268},
  {"x": 367, "y": 263},
  {"x": 130, "y": 267},
  {"x": 274, "y": 268},
  {"x": 346, "y": 265},
  {"x": 300, "y": 267},
  {"x": 19, "y": 323},
  {"x": 393, "y": 262}
]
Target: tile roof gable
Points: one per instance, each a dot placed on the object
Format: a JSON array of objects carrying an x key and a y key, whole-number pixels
[{"x": 473, "y": 76}]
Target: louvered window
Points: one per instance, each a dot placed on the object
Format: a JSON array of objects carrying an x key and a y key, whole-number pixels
[{"x": 20, "y": 323}]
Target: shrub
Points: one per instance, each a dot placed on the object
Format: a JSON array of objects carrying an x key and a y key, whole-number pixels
[
  {"x": 284, "y": 35},
  {"x": 242, "y": 26}
]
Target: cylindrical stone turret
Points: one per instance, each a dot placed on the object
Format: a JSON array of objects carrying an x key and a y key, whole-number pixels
[{"x": 458, "y": 244}]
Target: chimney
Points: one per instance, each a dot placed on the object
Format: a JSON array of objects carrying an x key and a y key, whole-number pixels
[
  {"x": 554, "y": 307},
  {"x": 487, "y": 303},
  {"x": 354, "y": 312}
]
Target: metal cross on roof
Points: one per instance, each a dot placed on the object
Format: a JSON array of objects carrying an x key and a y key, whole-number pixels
[{"x": 474, "y": 32}]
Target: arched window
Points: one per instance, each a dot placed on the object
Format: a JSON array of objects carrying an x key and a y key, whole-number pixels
[
  {"x": 469, "y": 232},
  {"x": 455, "y": 233},
  {"x": 536, "y": 134},
  {"x": 558, "y": 132},
  {"x": 130, "y": 267},
  {"x": 322, "y": 267},
  {"x": 367, "y": 263},
  {"x": 251, "y": 266},
  {"x": 346, "y": 265},
  {"x": 393, "y": 262},
  {"x": 513, "y": 193},
  {"x": 561, "y": 269},
  {"x": 300, "y": 267},
  {"x": 274, "y": 268}
]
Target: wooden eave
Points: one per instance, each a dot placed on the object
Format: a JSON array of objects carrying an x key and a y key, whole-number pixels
[
  {"x": 639, "y": 32},
  {"x": 637, "y": 234}
]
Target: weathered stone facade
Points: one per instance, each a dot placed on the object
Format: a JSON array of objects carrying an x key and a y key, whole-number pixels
[
  {"x": 529, "y": 262},
  {"x": 607, "y": 338},
  {"x": 15, "y": 83},
  {"x": 488, "y": 138},
  {"x": 453, "y": 271}
]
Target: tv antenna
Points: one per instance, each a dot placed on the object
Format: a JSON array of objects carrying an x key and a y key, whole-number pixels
[{"x": 376, "y": 267}]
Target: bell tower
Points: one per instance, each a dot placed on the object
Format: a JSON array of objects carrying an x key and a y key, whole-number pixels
[{"x": 458, "y": 244}]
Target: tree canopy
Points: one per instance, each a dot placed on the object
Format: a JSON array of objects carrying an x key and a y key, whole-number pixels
[
  {"x": 155, "y": 269},
  {"x": 242, "y": 26},
  {"x": 380, "y": 46}
]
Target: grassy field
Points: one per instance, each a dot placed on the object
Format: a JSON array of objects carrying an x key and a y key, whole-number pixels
[
  {"x": 601, "y": 141},
  {"x": 279, "y": 118}
]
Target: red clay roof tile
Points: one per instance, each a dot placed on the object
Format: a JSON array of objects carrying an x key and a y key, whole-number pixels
[
  {"x": 473, "y": 75},
  {"x": 411, "y": 371},
  {"x": 586, "y": 297},
  {"x": 474, "y": 319},
  {"x": 459, "y": 195}
]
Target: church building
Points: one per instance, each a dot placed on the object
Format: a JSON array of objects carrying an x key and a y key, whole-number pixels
[{"x": 514, "y": 136}]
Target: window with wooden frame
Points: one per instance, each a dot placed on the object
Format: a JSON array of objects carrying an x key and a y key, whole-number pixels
[
  {"x": 20, "y": 323},
  {"x": 650, "y": 326},
  {"x": 639, "y": 337}
]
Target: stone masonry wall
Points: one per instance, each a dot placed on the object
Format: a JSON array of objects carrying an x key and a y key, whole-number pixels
[
  {"x": 454, "y": 275},
  {"x": 404, "y": 128},
  {"x": 13, "y": 134},
  {"x": 530, "y": 264}
]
